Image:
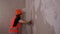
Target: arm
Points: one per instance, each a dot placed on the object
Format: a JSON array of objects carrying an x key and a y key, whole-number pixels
[{"x": 23, "y": 21}]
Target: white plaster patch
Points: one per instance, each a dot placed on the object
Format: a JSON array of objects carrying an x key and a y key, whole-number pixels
[{"x": 36, "y": 4}]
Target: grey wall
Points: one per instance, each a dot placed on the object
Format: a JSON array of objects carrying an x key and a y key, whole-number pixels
[
  {"x": 7, "y": 11},
  {"x": 34, "y": 12}
]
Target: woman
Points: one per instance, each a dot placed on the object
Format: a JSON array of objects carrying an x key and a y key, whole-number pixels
[{"x": 15, "y": 23}]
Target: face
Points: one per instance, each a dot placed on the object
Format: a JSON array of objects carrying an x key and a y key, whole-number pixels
[{"x": 21, "y": 16}]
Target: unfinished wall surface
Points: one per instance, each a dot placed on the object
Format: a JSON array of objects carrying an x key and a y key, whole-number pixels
[
  {"x": 7, "y": 11},
  {"x": 45, "y": 16},
  {"x": 51, "y": 13}
]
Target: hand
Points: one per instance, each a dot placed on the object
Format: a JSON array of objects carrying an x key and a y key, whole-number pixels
[{"x": 30, "y": 22}]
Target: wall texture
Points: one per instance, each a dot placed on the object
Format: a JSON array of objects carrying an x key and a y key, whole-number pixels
[
  {"x": 7, "y": 11},
  {"x": 45, "y": 16}
]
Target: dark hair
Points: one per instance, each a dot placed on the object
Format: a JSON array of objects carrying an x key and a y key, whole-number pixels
[{"x": 16, "y": 20}]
